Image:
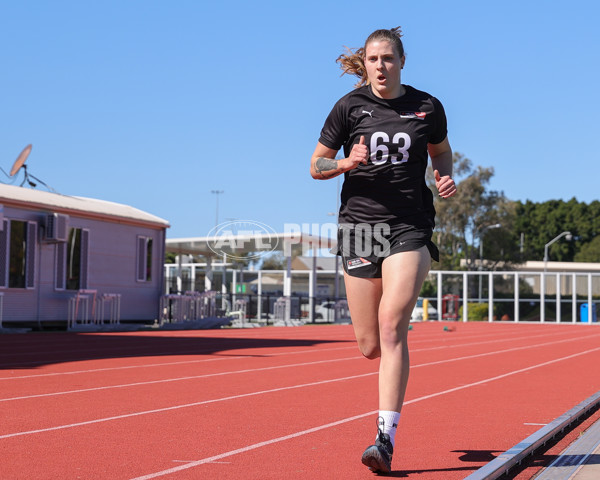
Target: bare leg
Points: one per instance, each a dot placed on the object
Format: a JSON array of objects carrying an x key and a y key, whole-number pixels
[
  {"x": 403, "y": 276},
  {"x": 380, "y": 311},
  {"x": 364, "y": 295}
]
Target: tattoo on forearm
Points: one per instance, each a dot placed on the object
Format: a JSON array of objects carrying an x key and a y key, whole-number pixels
[{"x": 324, "y": 166}]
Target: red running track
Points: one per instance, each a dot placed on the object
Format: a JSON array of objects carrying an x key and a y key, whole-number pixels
[{"x": 274, "y": 403}]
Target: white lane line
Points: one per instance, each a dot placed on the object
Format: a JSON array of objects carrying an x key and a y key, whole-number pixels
[
  {"x": 187, "y": 405},
  {"x": 442, "y": 347},
  {"x": 237, "y": 340},
  {"x": 233, "y": 372},
  {"x": 504, "y": 375},
  {"x": 253, "y": 447},
  {"x": 349, "y": 419},
  {"x": 280, "y": 389},
  {"x": 194, "y": 377},
  {"x": 242, "y": 335},
  {"x": 486, "y": 354},
  {"x": 227, "y": 343},
  {"x": 184, "y": 362},
  {"x": 124, "y": 367}
]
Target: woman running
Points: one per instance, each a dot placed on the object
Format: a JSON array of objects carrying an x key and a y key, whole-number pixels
[{"x": 386, "y": 217}]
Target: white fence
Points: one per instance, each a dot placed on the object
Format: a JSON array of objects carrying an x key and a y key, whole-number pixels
[
  {"x": 521, "y": 296},
  {"x": 509, "y": 295}
]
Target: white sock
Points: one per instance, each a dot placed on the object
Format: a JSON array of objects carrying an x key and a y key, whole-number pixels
[{"x": 390, "y": 423}]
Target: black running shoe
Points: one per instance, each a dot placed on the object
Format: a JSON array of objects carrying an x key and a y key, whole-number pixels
[{"x": 378, "y": 457}]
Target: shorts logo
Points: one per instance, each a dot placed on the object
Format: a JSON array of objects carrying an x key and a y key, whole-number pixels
[
  {"x": 416, "y": 115},
  {"x": 357, "y": 263}
]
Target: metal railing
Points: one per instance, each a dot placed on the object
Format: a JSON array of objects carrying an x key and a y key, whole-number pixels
[
  {"x": 493, "y": 296},
  {"x": 520, "y": 296}
]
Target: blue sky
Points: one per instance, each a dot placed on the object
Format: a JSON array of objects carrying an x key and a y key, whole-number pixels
[{"x": 157, "y": 103}]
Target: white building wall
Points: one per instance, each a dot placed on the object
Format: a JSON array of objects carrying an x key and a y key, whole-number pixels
[
  {"x": 112, "y": 262},
  {"x": 22, "y": 303}
]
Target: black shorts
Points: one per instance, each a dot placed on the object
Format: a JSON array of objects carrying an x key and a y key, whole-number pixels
[{"x": 364, "y": 247}]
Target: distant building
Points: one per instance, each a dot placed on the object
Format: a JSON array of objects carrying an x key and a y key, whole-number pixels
[
  {"x": 52, "y": 246},
  {"x": 321, "y": 263},
  {"x": 567, "y": 274}
]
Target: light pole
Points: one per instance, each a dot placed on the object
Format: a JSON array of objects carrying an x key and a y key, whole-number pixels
[
  {"x": 217, "y": 193},
  {"x": 543, "y": 282},
  {"x": 563, "y": 234},
  {"x": 481, "y": 232}
]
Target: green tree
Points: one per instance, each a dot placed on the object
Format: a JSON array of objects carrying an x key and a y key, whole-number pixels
[
  {"x": 501, "y": 246},
  {"x": 461, "y": 218},
  {"x": 539, "y": 223},
  {"x": 589, "y": 252}
]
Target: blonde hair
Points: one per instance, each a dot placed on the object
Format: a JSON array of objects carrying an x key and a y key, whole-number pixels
[{"x": 352, "y": 62}]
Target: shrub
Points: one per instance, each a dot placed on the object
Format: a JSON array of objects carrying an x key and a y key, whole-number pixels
[{"x": 476, "y": 312}]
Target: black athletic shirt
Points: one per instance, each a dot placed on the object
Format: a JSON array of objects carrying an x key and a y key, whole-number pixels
[{"x": 391, "y": 188}]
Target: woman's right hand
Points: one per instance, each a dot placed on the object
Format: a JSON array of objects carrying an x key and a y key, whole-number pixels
[
  {"x": 323, "y": 164},
  {"x": 359, "y": 154}
]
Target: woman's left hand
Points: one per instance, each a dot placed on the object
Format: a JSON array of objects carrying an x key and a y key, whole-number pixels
[{"x": 445, "y": 185}]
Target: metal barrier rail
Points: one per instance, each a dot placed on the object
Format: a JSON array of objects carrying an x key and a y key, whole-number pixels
[{"x": 504, "y": 462}]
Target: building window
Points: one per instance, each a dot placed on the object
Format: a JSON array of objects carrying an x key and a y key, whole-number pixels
[
  {"x": 72, "y": 261},
  {"x": 17, "y": 254},
  {"x": 144, "y": 259}
]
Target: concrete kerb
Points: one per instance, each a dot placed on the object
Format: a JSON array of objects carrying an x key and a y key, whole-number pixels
[
  {"x": 579, "y": 461},
  {"x": 504, "y": 462}
]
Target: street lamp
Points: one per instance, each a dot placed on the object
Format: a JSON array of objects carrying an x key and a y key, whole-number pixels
[
  {"x": 481, "y": 232},
  {"x": 569, "y": 237},
  {"x": 543, "y": 279}
]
